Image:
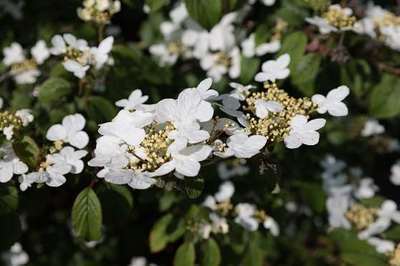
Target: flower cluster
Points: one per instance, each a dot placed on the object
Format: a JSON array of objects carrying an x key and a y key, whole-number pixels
[
  {"x": 217, "y": 50},
  {"x": 334, "y": 19},
  {"x": 56, "y": 160},
  {"x": 78, "y": 56},
  {"x": 11, "y": 123},
  {"x": 245, "y": 214},
  {"x": 25, "y": 70},
  {"x": 144, "y": 142},
  {"x": 380, "y": 24},
  {"x": 348, "y": 207},
  {"x": 99, "y": 11}
]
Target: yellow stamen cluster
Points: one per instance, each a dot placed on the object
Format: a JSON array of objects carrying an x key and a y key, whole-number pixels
[
  {"x": 8, "y": 119},
  {"x": 82, "y": 57},
  {"x": 26, "y": 65},
  {"x": 155, "y": 146},
  {"x": 338, "y": 18},
  {"x": 176, "y": 47},
  {"x": 92, "y": 12},
  {"x": 387, "y": 20},
  {"x": 276, "y": 125},
  {"x": 224, "y": 207},
  {"x": 395, "y": 257},
  {"x": 57, "y": 146},
  {"x": 361, "y": 217},
  {"x": 223, "y": 59}
]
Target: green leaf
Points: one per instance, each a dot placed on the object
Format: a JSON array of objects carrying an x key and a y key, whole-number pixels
[
  {"x": 211, "y": 253},
  {"x": 249, "y": 68},
  {"x": 53, "y": 89},
  {"x": 8, "y": 199},
  {"x": 166, "y": 230},
  {"x": 294, "y": 44},
  {"x": 87, "y": 215},
  {"x": 355, "y": 251},
  {"x": 253, "y": 255},
  {"x": 10, "y": 230},
  {"x": 384, "y": 99},
  {"x": 305, "y": 72},
  {"x": 116, "y": 201},
  {"x": 28, "y": 151},
  {"x": 206, "y": 12},
  {"x": 100, "y": 109},
  {"x": 185, "y": 255},
  {"x": 156, "y": 5}
]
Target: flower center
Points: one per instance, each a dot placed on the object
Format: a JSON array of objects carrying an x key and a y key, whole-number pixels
[
  {"x": 26, "y": 65},
  {"x": 361, "y": 217},
  {"x": 338, "y": 18}
]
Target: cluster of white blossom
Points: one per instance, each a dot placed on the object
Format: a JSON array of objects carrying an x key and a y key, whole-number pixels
[
  {"x": 377, "y": 23},
  {"x": 99, "y": 11},
  {"x": 218, "y": 50},
  {"x": 380, "y": 24},
  {"x": 12, "y": 122},
  {"x": 62, "y": 157},
  {"x": 25, "y": 70},
  {"x": 222, "y": 210},
  {"x": 140, "y": 261},
  {"x": 78, "y": 56},
  {"x": 16, "y": 256},
  {"x": 334, "y": 19},
  {"x": 346, "y": 207},
  {"x": 145, "y": 142}
]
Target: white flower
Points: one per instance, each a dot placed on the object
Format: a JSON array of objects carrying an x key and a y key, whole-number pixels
[
  {"x": 16, "y": 256},
  {"x": 366, "y": 189},
  {"x": 76, "y": 68},
  {"x": 186, "y": 159},
  {"x": 185, "y": 113},
  {"x": 165, "y": 55},
  {"x": 386, "y": 214},
  {"x": 40, "y": 52},
  {"x": 337, "y": 205},
  {"x": 134, "y": 101},
  {"x": 51, "y": 173},
  {"x": 264, "y": 107},
  {"x": 243, "y": 146},
  {"x": 13, "y": 54},
  {"x": 204, "y": 90},
  {"x": 27, "y": 76},
  {"x": 250, "y": 49},
  {"x": 127, "y": 126},
  {"x": 61, "y": 43},
  {"x": 274, "y": 69},
  {"x": 219, "y": 225},
  {"x": 70, "y": 131},
  {"x": 101, "y": 53},
  {"x": 240, "y": 91},
  {"x": 10, "y": 164},
  {"x": 303, "y": 131},
  {"x": 73, "y": 158},
  {"x": 219, "y": 64},
  {"x": 381, "y": 245},
  {"x": 372, "y": 127},
  {"x": 395, "y": 174},
  {"x": 270, "y": 224},
  {"x": 225, "y": 192},
  {"x": 323, "y": 26},
  {"x": 25, "y": 115},
  {"x": 332, "y": 103},
  {"x": 245, "y": 216},
  {"x": 222, "y": 37}
]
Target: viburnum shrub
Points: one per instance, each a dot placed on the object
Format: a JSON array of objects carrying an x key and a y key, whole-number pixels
[{"x": 199, "y": 132}]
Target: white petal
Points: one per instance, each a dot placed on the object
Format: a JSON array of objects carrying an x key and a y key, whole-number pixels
[{"x": 56, "y": 132}]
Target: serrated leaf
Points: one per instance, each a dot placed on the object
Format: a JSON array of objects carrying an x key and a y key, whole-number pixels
[
  {"x": 384, "y": 99},
  {"x": 211, "y": 253},
  {"x": 87, "y": 216},
  {"x": 185, "y": 255},
  {"x": 8, "y": 199},
  {"x": 206, "y": 12},
  {"x": 53, "y": 89},
  {"x": 27, "y": 150}
]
